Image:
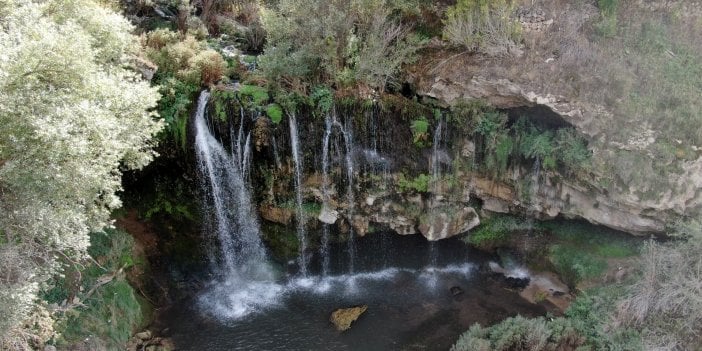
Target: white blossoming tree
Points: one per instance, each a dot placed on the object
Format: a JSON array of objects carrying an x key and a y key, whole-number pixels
[{"x": 73, "y": 116}]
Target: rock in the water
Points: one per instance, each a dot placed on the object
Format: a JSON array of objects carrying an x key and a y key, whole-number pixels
[{"x": 343, "y": 317}]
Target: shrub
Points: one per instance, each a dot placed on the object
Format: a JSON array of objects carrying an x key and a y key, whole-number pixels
[
  {"x": 208, "y": 67},
  {"x": 184, "y": 58},
  {"x": 485, "y": 26},
  {"x": 666, "y": 302},
  {"x": 344, "y": 43}
]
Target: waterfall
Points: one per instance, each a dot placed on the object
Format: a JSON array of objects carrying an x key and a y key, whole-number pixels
[
  {"x": 435, "y": 184},
  {"x": 324, "y": 247},
  {"x": 245, "y": 282},
  {"x": 300, "y": 216},
  {"x": 350, "y": 197}
]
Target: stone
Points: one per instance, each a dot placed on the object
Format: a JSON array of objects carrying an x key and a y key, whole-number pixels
[
  {"x": 328, "y": 215},
  {"x": 343, "y": 317},
  {"x": 277, "y": 214},
  {"x": 49, "y": 348},
  {"x": 447, "y": 222},
  {"x": 145, "y": 335},
  {"x": 360, "y": 225},
  {"x": 456, "y": 290}
]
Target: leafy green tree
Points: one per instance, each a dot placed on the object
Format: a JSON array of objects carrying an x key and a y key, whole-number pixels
[{"x": 72, "y": 117}]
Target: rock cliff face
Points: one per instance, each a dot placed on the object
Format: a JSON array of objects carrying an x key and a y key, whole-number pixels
[{"x": 635, "y": 207}]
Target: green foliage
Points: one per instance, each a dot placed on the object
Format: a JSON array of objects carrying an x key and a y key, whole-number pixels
[
  {"x": 502, "y": 144},
  {"x": 571, "y": 150},
  {"x": 323, "y": 98},
  {"x": 418, "y": 184},
  {"x": 221, "y": 99},
  {"x": 275, "y": 113},
  {"x": 574, "y": 265},
  {"x": 344, "y": 43},
  {"x": 496, "y": 230},
  {"x": 253, "y": 95},
  {"x": 174, "y": 107},
  {"x": 581, "y": 250},
  {"x": 168, "y": 197},
  {"x": 109, "y": 314},
  {"x": 486, "y": 26},
  {"x": 420, "y": 127}
]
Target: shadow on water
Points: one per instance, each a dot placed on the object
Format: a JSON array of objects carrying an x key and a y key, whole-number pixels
[{"x": 410, "y": 304}]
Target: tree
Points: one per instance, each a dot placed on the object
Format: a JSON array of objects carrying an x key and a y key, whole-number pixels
[{"x": 72, "y": 118}]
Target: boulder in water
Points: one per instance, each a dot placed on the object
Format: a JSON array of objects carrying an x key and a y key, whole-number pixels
[{"x": 343, "y": 317}]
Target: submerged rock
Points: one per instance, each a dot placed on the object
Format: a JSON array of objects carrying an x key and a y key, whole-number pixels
[{"x": 343, "y": 317}]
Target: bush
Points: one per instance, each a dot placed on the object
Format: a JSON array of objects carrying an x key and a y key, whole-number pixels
[
  {"x": 485, "y": 26},
  {"x": 666, "y": 302},
  {"x": 520, "y": 334},
  {"x": 344, "y": 43},
  {"x": 184, "y": 58}
]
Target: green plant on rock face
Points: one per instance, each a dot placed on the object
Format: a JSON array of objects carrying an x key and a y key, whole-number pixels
[
  {"x": 253, "y": 95},
  {"x": 174, "y": 107},
  {"x": 486, "y": 26},
  {"x": 322, "y": 98},
  {"x": 420, "y": 127},
  {"x": 419, "y": 184},
  {"x": 496, "y": 230},
  {"x": 275, "y": 113}
]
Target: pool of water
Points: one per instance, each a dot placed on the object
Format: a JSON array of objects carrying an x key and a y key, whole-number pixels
[{"x": 405, "y": 282}]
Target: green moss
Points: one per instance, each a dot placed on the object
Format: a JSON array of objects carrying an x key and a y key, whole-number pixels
[
  {"x": 275, "y": 113},
  {"x": 256, "y": 95}
]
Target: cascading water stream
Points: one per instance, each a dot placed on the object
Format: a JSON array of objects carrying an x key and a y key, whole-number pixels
[
  {"x": 350, "y": 196},
  {"x": 300, "y": 216},
  {"x": 435, "y": 181},
  {"x": 324, "y": 248},
  {"x": 244, "y": 282}
]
